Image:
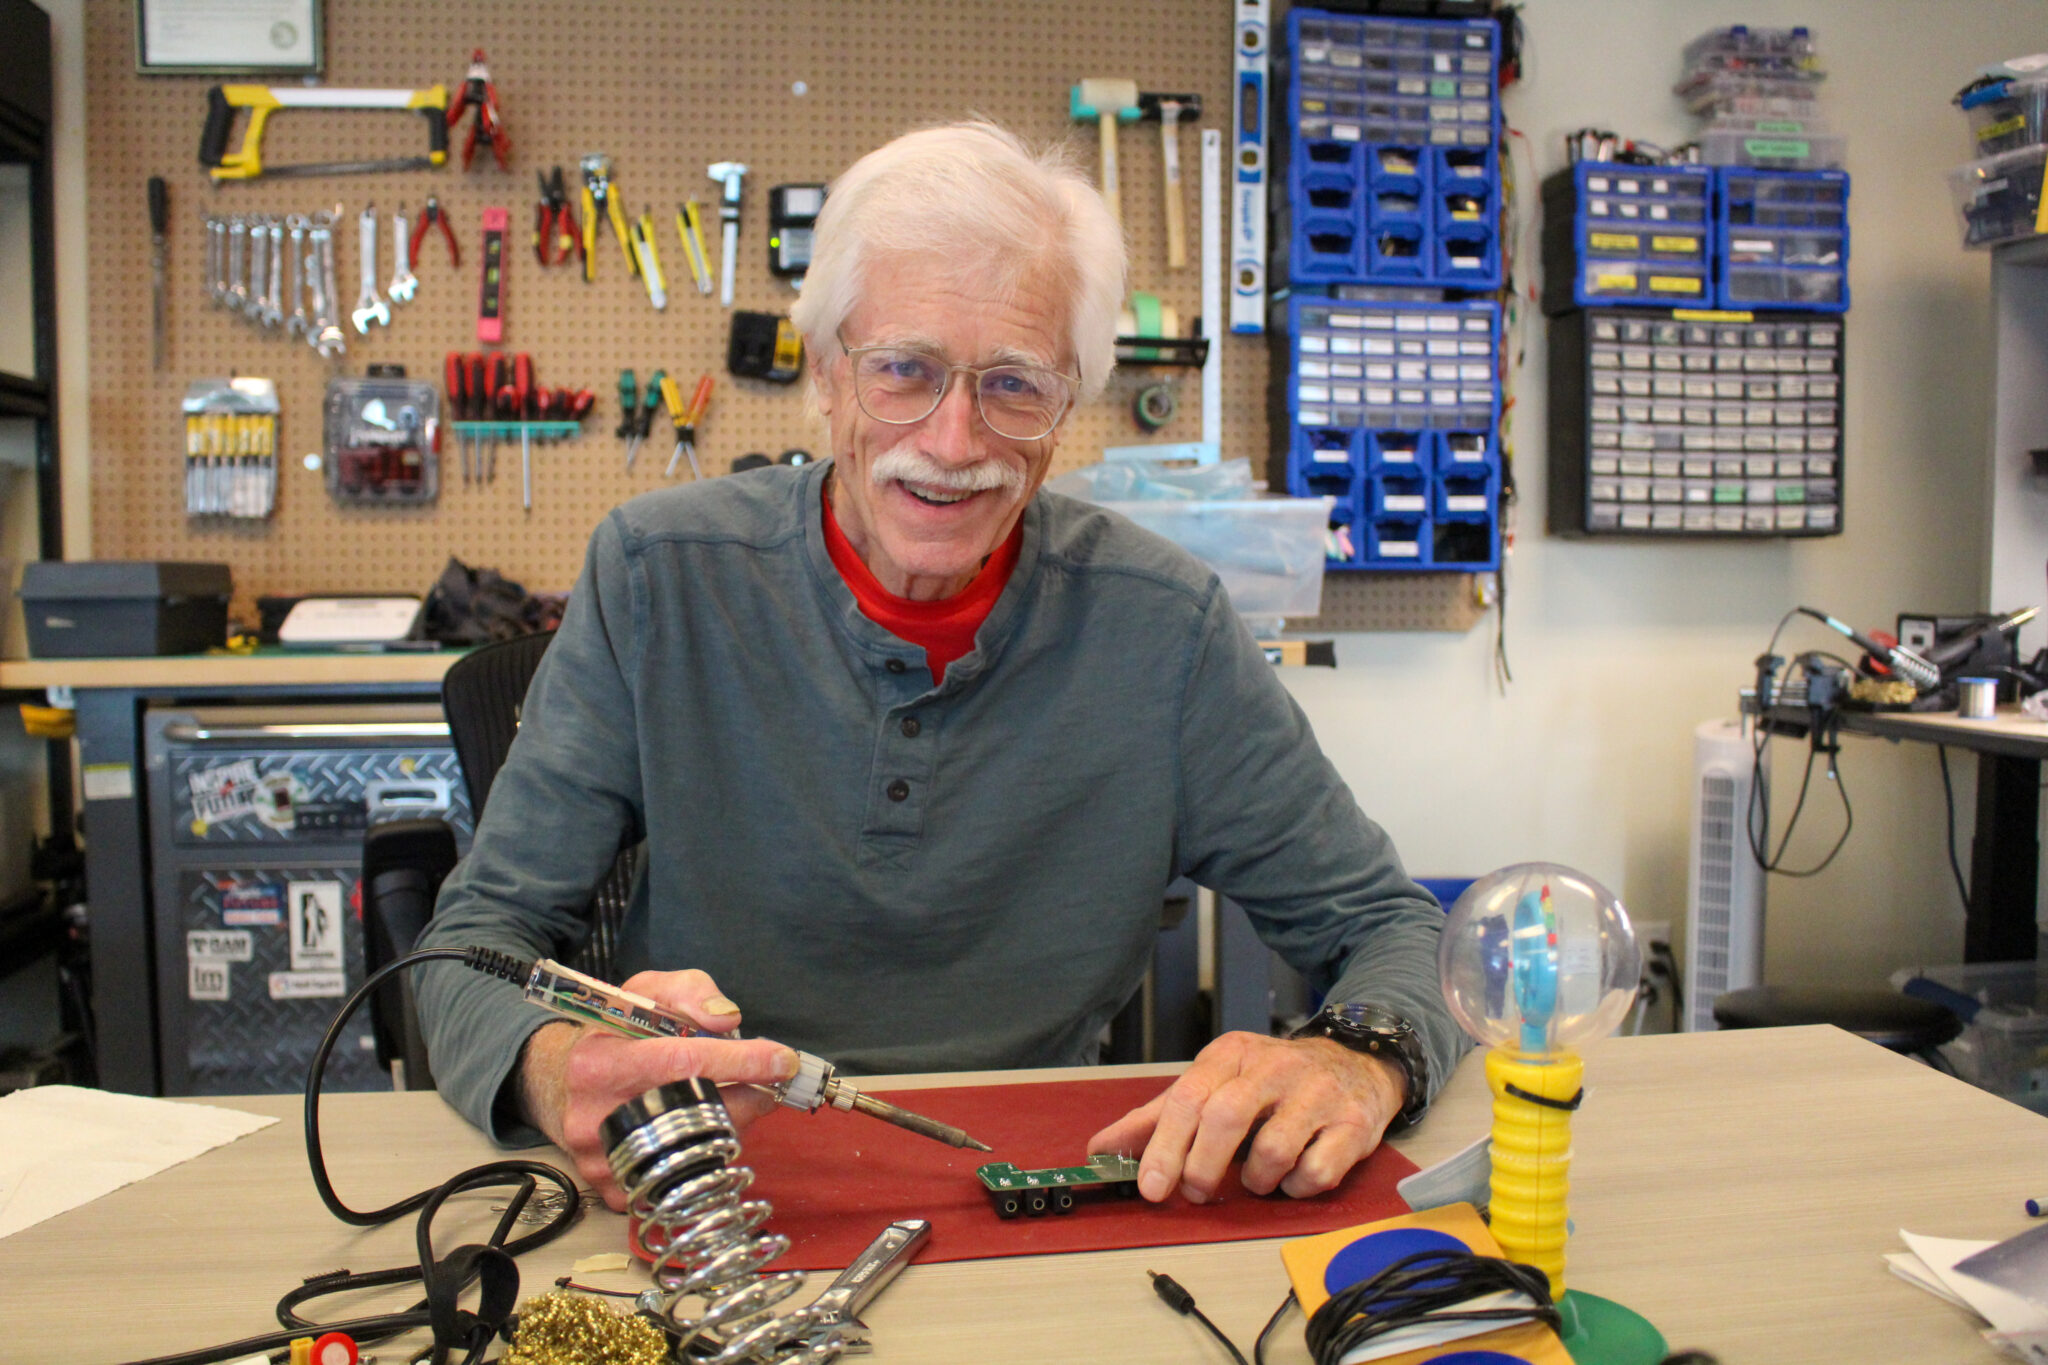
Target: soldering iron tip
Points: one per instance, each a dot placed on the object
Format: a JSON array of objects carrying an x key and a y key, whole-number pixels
[{"x": 979, "y": 1146}]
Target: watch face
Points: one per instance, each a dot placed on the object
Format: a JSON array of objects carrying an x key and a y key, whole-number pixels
[{"x": 1367, "y": 1019}]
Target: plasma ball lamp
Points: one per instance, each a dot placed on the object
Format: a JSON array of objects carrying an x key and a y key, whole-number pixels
[{"x": 1535, "y": 959}]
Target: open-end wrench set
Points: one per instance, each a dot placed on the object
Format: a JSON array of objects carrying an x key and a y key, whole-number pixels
[{"x": 278, "y": 271}]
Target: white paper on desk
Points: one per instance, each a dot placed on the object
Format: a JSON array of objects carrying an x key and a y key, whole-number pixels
[
  {"x": 1914, "y": 1271},
  {"x": 63, "y": 1145},
  {"x": 2003, "y": 1309}
]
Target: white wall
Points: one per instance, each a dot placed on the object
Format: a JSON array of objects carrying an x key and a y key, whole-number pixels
[{"x": 1618, "y": 649}]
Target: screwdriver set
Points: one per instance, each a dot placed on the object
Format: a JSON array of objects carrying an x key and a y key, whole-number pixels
[
  {"x": 495, "y": 398},
  {"x": 231, "y": 448}
]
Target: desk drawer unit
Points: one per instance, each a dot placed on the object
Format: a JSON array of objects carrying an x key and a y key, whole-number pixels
[
  {"x": 1710, "y": 424},
  {"x": 257, "y": 816}
]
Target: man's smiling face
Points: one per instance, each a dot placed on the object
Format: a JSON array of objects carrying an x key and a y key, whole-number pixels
[{"x": 925, "y": 503}]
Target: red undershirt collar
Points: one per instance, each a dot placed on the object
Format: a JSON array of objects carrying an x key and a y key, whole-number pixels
[{"x": 944, "y": 629}]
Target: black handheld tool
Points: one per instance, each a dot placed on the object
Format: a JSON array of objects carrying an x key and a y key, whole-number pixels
[
  {"x": 792, "y": 214},
  {"x": 159, "y": 224}
]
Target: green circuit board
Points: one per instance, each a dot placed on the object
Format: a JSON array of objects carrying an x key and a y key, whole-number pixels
[
  {"x": 1014, "y": 1190},
  {"x": 1104, "y": 1168}
]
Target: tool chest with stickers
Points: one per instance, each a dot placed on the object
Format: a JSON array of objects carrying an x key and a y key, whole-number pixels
[{"x": 257, "y": 817}]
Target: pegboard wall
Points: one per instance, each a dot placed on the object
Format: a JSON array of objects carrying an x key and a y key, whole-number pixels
[{"x": 795, "y": 89}]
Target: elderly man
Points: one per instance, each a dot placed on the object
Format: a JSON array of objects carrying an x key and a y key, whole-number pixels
[{"x": 915, "y": 749}]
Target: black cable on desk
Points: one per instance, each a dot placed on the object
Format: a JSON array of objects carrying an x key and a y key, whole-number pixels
[{"x": 489, "y": 1265}]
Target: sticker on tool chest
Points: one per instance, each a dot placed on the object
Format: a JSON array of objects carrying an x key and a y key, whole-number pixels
[
  {"x": 206, "y": 979},
  {"x": 242, "y": 903},
  {"x": 219, "y": 945},
  {"x": 223, "y": 792},
  {"x": 315, "y": 926},
  {"x": 307, "y": 985}
]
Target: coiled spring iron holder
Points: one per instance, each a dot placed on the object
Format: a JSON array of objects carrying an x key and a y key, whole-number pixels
[{"x": 673, "y": 1151}]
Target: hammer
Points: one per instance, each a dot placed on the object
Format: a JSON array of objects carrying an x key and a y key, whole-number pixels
[
  {"x": 1170, "y": 110},
  {"x": 1107, "y": 100}
]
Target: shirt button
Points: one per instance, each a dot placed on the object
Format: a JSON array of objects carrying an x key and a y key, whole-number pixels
[
  {"x": 911, "y": 727},
  {"x": 899, "y": 790},
  {"x": 895, "y": 665}
]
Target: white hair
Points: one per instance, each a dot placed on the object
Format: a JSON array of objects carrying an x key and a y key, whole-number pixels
[{"x": 970, "y": 201}]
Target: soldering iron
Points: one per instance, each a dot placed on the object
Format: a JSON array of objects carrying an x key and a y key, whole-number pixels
[{"x": 573, "y": 995}]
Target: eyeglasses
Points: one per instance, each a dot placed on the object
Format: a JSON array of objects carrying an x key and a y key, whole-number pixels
[{"x": 899, "y": 386}]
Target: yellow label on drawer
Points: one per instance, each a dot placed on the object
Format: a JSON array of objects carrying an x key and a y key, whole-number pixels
[
  {"x": 1675, "y": 284},
  {"x": 1689, "y": 245},
  {"x": 1999, "y": 129},
  {"x": 1627, "y": 283},
  {"x": 1710, "y": 315},
  {"x": 1613, "y": 241}
]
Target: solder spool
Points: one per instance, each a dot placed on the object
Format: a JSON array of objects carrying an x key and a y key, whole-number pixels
[{"x": 673, "y": 1151}]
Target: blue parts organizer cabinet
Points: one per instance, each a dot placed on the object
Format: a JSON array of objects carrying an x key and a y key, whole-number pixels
[
  {"x": 1695, "y": 349},
  {"x": 1695, "y": 237},
  {"x": 1386, "y": 392},
  {"x": 1391, "y": 172},
  {"x": 1393, "y": 410}
]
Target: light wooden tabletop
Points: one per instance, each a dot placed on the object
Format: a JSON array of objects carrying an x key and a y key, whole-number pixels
[
  {"x": 217, "y": 668},
  {"x": 1739, "y": 1189}
]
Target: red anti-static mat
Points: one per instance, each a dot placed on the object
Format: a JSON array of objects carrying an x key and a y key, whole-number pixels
[{"x": 836, "y": 1179}]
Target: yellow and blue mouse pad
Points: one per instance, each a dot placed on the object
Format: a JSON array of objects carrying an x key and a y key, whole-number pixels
[{"x": 1324, "y": 1265}]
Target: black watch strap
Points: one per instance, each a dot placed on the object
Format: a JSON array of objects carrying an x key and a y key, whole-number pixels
[{"x": 1378, "y": 1032}]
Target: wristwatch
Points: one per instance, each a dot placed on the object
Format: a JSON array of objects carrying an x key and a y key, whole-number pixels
[{"x": 1378, "y": 1032}]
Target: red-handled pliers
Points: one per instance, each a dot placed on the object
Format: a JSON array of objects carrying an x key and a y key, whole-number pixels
[
  {"x": 432, "y": 214},
  {"x": 555, "y": 235},
  {"x": 478, "y": 90}
]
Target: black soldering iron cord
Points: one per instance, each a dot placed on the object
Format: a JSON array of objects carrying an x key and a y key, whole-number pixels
[{"x": 489, "y": 1265}]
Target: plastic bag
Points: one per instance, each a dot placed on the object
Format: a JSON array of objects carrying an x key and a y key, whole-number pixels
[{"x": 1157, "y": 481}]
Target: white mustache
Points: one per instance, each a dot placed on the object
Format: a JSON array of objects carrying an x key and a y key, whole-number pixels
[{"x": 905, "y": 463}]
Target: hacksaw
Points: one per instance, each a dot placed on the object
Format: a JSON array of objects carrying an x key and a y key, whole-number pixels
[{"x": 224, "y": 101}]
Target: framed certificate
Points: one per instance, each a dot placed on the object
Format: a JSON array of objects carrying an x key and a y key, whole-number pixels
[{"x": 228, "y": 37}]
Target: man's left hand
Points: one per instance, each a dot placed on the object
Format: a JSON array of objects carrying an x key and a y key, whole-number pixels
[{"x": 1318, "y": 1108}]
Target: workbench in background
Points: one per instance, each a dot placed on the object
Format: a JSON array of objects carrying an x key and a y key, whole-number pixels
[{"x": 138, "y": 957}]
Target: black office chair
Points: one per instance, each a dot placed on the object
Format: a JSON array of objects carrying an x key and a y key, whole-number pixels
[
  {"x": 405, "y": 861},
  {"x": 1887, "y": 1018}
]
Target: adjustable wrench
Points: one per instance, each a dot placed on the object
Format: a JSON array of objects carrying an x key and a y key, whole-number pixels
[
  {"x": 238, "y": 283},
  {"x": 295, "y": 325},
  {"x": 403, "y": 281},
  {"x": 369, "y": 308},
  {"x": 259, "y": 271},
  {"x": 273, "y": 297},
  {"x": 860, "y": 1283}
]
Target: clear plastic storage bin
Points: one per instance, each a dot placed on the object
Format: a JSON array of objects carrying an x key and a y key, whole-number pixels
[
  {"x": 1999, "y": 197},
  {"x": 1762, "y": 146},
  {"x": 2003, "y": 1047},
  {"x": 1267, "y": 551},
  {"x": 2006, "y": 115},
  {"x": 1757, "y": 52}
]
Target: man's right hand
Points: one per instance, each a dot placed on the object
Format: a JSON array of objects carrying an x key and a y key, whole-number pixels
[{"x": 571, "y": 1077}]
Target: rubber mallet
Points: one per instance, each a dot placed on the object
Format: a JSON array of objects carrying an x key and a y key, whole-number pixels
[
  {"x": 1109, "y": 101},
  {"x": 1169, "y": 110}
]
